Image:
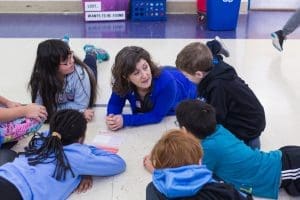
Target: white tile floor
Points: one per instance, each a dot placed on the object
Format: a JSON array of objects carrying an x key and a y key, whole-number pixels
[{"x": 273, "y": 76}]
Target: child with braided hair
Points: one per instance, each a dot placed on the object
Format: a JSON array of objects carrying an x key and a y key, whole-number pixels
[{"x": 58, "y": 158}]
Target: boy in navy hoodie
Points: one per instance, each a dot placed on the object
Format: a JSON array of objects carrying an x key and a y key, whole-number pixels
[
  {"x": 237, "y": 107},
  {"x": 178, "y": 172}
]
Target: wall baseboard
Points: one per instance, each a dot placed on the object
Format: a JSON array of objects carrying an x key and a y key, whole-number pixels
[
  {"x": 40, "y": 6},
  {"x": 75, "y": 6},
  {"x": 189, "y": 7}
]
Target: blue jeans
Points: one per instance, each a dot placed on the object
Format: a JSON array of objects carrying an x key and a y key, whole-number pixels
[{"x": 91, "y": 62}]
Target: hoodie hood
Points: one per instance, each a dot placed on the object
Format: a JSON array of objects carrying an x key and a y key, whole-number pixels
[
  {"x": 182, "y": 181},
  {"x": 221, "y": 70}
]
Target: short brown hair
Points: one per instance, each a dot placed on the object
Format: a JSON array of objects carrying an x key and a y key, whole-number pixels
[
  {"x": 194, "y": 57},
  {"x": 176, "y": 148}
]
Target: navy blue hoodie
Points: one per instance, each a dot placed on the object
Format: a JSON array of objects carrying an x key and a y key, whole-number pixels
[{"x": 237, "y": 107}]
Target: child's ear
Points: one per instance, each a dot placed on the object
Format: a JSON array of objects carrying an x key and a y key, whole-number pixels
[
  {"x": 200, "y": 75},
  {"x": 183, "y": 129},
  {"x": 200, "y": 162},
  {"x": 186, "y": 131},
  {"x": 81, "y": 140}
]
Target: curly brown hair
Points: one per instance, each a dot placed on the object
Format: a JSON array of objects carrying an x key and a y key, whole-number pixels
[{"x": 125, "y": 64}]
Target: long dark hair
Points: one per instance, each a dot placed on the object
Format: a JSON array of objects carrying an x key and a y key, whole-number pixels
[
  {"x": 125, "y": 64},
  {"x": 66, "y": 127},
  {"x": 44, "y": 80}
]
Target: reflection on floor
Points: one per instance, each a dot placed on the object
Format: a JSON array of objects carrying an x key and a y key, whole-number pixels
[
  {"x": 256, "y": 24},
  {"x": 272, "y": 75}
]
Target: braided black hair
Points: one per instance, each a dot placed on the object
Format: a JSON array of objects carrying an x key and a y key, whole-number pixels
[{"x": 71, "y": 126}]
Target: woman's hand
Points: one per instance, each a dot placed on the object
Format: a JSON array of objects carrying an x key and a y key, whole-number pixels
[
  {"x": 114, "y": 122},
  {"x": 85, "y": 184}
]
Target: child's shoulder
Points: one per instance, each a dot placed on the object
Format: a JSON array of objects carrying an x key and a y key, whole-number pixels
[
  {"x": 77, "y": 147},
  {"x": 220, "y": 190},
  {"x": 79, "y": 73},
  {"x": 220, "y": 136}
]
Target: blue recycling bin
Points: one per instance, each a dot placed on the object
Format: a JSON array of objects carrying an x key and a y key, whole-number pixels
[{"x": 222, "y": 15}]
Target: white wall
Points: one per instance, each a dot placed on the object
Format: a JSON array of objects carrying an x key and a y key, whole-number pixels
[
  {"x": 196, "y": 0},
  {"x": 75, "y": 6},
  {"x": 80, "y": 0},
  {"x": 274, "y": 4}
]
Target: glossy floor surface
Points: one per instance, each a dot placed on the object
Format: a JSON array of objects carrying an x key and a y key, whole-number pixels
[
  {"x": 273, "y": 76},
  {"x": 256, "y": 24}
]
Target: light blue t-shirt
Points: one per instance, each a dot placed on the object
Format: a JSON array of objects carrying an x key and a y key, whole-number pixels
[
  {"x": 249, "y": 170},
  {"x": 36, "y": 182},
  {"x": 76, "y": 92}
]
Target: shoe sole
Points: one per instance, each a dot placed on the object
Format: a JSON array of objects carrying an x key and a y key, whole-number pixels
[
  {"x": 275, "y": 42},
  {"x": 224, "y": 47},
  {"x": 104, "y": 56}
]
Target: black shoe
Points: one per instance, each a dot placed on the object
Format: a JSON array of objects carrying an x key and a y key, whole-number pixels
[
  {"x": 277, "y": 39},
  {"x": 224, "y": 51},
  {"x": 7, "y": 155},
  {"x": 8, "y": 145}
]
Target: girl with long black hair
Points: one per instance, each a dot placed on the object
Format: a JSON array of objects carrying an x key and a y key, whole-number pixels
[{"x": 60, "y": 80}]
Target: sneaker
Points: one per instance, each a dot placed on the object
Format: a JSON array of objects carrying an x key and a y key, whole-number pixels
[
  {"x": 9, "y": 145},
  {"x": 224, "y": 50},
  {"x": 66, "y": 39},
  {"x": 101, "y": 54},
  {"x": 277, "y": 39}
]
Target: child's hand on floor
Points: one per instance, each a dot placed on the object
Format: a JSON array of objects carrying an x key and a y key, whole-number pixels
[
  {"x": 36, "y": 111},
  {"x": 85, "y": 184},
  {"x": 88, "y": 114}
]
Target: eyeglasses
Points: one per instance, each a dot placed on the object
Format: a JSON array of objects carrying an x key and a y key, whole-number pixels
[
  {"x": 69, "y": 60},
  {"x": 176, "y": 123}
]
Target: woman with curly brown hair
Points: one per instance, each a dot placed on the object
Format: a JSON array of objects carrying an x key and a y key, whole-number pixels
[{"x": 152, "y": 92}]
